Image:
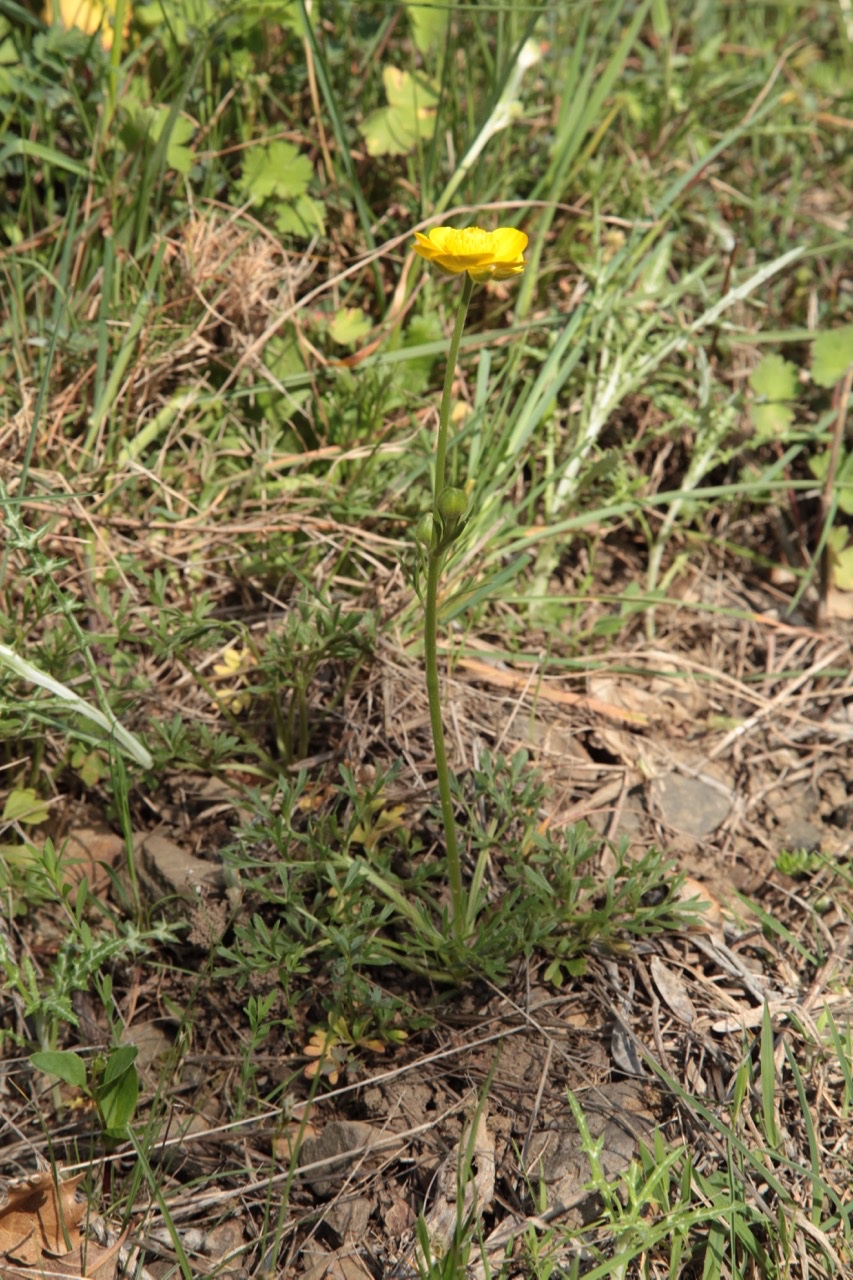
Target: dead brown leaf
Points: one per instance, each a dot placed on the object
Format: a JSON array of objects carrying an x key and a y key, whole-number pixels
[{"x": 41, "y": 1217}]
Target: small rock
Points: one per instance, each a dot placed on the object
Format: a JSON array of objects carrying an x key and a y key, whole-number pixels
[
  {"x": 349, "y": 1218},
  {"x": 344, "y": 1138},
  {"x": 169, "y": 870},
  {"x": 691, "y": 805}
]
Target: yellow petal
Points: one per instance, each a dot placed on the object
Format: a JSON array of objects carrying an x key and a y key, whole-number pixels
[
  {"x": 485, "y": 255},
  {"x": 509, "y": 243}
]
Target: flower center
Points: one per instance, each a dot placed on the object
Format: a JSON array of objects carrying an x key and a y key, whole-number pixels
[{"x": 473, "y": 240}]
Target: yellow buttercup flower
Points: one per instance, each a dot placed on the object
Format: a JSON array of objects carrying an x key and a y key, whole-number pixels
[
  {"x": 90, "y": 16},
  {"x": 485, "y": 255}
]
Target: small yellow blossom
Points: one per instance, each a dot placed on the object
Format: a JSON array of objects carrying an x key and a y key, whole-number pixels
[
  {"x": 234, "y": 668},
  {"x": 485, "y": 255},
  {"x": 89, "y": 16}
]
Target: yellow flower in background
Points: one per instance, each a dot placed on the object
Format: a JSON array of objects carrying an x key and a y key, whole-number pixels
[
  {"x": 485, "y": 255},
  {"x": 234, "y": 667},
  {"x": 89, "y": 16}
]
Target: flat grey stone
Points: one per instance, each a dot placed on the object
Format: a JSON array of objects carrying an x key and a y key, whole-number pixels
[{"x": 691, "y": 805}]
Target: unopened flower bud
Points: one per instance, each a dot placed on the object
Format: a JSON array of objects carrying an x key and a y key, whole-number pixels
[
  {"x": 452, "y": 505},
  {"x": 425, "y": 530}
]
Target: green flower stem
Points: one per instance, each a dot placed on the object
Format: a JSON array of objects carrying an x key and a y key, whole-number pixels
[
  {"x": 439, "y": 478},
  {"x": 434, "y": 566}
]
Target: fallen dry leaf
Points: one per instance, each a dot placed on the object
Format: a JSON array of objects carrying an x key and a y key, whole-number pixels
[
  {"x": 90, "y": 852},
  {"x": 673, "y": 991},
  {"x": 38, "y": 1216}
]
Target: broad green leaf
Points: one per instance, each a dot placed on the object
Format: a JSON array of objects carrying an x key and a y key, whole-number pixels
[
  {"x": 349, "y": 326},
  {"x": 276, "y": 170},
  {"x": 117, "y": 1102},
  {"x": 24, "y": 805},
  {"x": 841, "y": 557},
  {"x": 119, "y": 1061},
  {"x": 429, "y": 23},
  {"x": 843, "y": 486},
  {"x": 16, "y": 855},
  {"x": 774, "y": 382},
  {"x": 68, "y": 1067},
  {"x": 408, "y": 119},
  {"x": 774, "y": 378},
  {"x": 832, "y": 354},
  {"x": 842, "y": 572}
]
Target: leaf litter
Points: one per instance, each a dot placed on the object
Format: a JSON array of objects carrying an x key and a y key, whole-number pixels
[{"x": 652, "y": 1040}]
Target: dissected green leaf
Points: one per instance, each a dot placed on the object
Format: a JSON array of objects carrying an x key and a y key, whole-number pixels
[
  {"x": 90, "y": 766},
  {"x": 408, "y": 119},
  {"x": 832, "y": 354},
  {"x": 349, "y": 326},
  {"x": 143, "y": 126},
  {"x": 774, "y": 382},
  {"x": 281, "y": 173},
  {"x": 300, "y": 217},
  {"x": 276, "y": 170}
]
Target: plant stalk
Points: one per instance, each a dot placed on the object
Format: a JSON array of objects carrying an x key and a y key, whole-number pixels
[{"x": 434, "y": 566}]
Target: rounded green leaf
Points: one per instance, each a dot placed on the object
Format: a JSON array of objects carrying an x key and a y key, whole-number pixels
[
  {"x": 832, "y": 355},
  {"x": 349, "y": 326}
]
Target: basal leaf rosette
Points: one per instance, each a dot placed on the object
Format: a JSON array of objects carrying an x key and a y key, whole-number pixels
[{"x": 485, "y": 255}]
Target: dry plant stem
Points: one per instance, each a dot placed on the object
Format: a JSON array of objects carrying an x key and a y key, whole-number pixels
[{"x": 436, "y": 560}]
